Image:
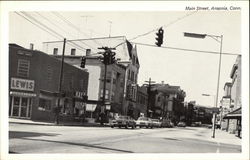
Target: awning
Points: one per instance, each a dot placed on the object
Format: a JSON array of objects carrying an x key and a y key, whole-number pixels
[
  {"x": 24, "y": 94},
  {"x": 236, "y": 114}
]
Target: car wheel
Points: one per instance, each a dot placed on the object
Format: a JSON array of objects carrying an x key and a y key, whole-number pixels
[{"x": 112, "y": 126}]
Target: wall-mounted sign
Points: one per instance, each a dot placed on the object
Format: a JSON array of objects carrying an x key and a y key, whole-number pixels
[{"x": 22, "y": 84}]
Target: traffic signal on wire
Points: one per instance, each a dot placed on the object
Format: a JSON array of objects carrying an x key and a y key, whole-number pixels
[
  {"x": 159, "y": 38},
  {"x": 83, "y": 62}
]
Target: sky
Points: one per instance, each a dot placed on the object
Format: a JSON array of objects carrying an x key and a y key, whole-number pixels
[{"x": 196, "y": 73}]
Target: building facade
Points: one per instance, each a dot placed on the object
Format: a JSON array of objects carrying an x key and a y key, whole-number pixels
[
  {"x": 141, "y": 101},
  {"x": 233, "y": 118},
  {"x": 167, "y": 102},
  {"x": 34, "y": 86},
  {"x": 126, "y": 77}
]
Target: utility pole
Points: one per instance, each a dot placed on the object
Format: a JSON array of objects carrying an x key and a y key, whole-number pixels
[
  {"x": 57, "y": 110},
  {"x": 149, "y": 94},
  {"x": 108, "y": 58}
]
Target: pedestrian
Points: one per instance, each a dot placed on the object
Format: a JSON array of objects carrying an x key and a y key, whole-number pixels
[{"x": 57, "y": 113}]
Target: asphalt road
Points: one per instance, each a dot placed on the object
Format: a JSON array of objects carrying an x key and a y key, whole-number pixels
[{"x": 63, "y": 139}]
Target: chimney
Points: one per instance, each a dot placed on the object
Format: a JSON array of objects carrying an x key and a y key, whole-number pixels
[
  {"x": 31, "y": 46},
  {"x": 88, "y": 52}
]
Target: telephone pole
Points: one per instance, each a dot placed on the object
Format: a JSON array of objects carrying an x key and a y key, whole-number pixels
[
  {"x": 107, "y": 59},
  {"x": 57, "y": 110},
  {"x": 150, "y": 84}
]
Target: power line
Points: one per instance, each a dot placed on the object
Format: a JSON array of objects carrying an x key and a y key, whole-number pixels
[
  {"x": 73, "y": 26},
  {"x": 53, "y": 33},
  {"x": 165, "y": 26},
  {"x": 34, "y": 19},
  {"x": 184, "y": 49},
  {"x": 57, "y": 26}
]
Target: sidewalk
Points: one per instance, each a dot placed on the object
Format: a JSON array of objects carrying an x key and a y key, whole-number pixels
[
  {"x": 31, "y": 122},
  {"x": 225, "y": 137}
]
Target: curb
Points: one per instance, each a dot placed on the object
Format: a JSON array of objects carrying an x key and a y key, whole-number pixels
[{"x": 69, "y": 125}]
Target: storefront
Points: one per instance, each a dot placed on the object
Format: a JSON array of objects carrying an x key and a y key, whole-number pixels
[
  {"x": 234, "y": 122},
  {"x": 21, "y": 97}
]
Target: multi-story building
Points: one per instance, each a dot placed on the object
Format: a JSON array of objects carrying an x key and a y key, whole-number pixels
[
  {"x": 234, "y": 116},
  {"x": 34, "y": 79},
  {"x": 168, "y": 102},
  {"x": 126, "y": 54}
]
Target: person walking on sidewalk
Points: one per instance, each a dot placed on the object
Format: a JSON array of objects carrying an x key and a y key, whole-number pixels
[{"x": 57, "y": 114}]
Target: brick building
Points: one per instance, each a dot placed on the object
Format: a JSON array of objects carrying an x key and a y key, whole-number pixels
[{"x": 34, "y": 85}]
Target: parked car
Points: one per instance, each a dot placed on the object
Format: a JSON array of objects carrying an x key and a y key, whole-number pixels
[
  {"x": 181, "y": 124},
  {"x": 144, "y": 122},
  {"x": 196, "y": 124},
  {"x": 123, "y": 121},
  {"x": 156, "y": 123},
  {"x": 167, "y": 123}
]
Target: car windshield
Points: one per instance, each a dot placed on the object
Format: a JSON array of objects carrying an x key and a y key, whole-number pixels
[
  {"x": 143, "y": 118},
  {"x": 155, "y": 120}
]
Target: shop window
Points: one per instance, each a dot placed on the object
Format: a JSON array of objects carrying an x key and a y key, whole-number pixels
[
  {"x": 23, "y": 68},
  {"x": 44, "y": 104}
]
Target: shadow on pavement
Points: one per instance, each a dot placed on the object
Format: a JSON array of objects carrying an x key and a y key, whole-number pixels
[
  {"x": 80, "y": 144},
  {"x": 18, "y": 134}
]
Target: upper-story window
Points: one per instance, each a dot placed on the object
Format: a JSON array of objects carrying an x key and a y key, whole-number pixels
[
  {"x": 73, "y": 51},
  {"x": 55, "y": 51},
  {"x": 23, "y": 68}
]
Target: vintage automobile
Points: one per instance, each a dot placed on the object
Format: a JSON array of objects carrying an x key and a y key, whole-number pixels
[
  {"x": 123, "y": 121},
  {"x": 144, "y": 122},
  {"x": 156, "y": 123},
  {"x": 166, "y": 123},
  {"x": 181, "y": 124}
]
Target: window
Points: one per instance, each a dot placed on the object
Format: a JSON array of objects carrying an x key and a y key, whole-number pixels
[
  {"x": 55, "y": 51},
  {"x": 44, "y": 104},
  {"x": 23, "y": 68},
  {"x": 73, "y": 51}
]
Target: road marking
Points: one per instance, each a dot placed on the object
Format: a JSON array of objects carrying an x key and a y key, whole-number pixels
[{"x": 218, "y": 148}]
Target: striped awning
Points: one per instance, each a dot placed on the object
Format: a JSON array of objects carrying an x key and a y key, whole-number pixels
[{"x": 23, "y": 94}]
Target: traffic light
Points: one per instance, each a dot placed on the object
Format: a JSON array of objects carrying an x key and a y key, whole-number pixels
[
  {"x": 112, "y": 58},
  {"x": 105, "y": 58},
  {"x": 83, "y": 62},
  {"x": 159, "y": 38}
]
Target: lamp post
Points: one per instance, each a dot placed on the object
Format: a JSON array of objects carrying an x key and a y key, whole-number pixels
[
  {"x": 210, "y": 95},
  {"x": 216, "y": 38}
]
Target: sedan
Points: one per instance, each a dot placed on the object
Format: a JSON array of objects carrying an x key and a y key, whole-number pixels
[
  {"x": 144, "y": 122},
  {"x": 181, "y": 124},
  {"x": 123, "y": 121}
]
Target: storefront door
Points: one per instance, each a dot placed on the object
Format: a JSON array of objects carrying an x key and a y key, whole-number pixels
[{"x": 21, "y": 107}]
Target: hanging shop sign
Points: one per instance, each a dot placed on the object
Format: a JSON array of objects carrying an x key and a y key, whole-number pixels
[{"x": 22, "y": 84}]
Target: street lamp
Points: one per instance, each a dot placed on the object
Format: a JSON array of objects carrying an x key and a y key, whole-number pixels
[
  {"x": 210, "y": 95},
  {"x": 195, "y": 35}
]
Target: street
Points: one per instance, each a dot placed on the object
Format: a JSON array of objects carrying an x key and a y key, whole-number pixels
[{"x": 25, "y": 138}]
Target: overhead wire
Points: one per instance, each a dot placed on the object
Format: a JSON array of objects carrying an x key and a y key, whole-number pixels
[
  {"x": 82, "y": 48},
  {"x": 73, "y": 26},
  {"x": 57, "y": 26},
  {"x": 185, "y": 49},
  {"x": 45, "y": 28}
]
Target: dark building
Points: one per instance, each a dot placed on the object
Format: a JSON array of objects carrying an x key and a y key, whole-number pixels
[
  {"x": 34, "y": 85},
  {"x": 167, "y": 102},
  {"x": 141, "y": 101}
]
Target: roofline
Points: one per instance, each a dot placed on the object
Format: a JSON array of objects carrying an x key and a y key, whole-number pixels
[{"x": 86, "y": 39}]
